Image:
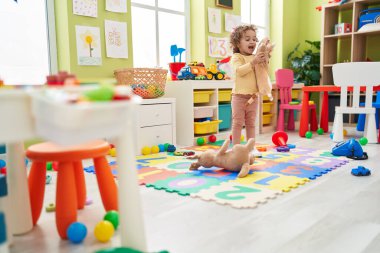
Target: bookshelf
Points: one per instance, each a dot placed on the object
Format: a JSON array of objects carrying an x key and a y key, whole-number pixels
[{"x": 352, "y": 46}]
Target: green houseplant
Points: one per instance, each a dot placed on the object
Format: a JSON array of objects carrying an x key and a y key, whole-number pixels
[{"x": 306, "y": 64}]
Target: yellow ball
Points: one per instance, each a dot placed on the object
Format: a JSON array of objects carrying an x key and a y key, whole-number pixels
[
  {"x": 146, "y": 150},
  {"x": 104, "y": 230},
  {"x": 242, "y": 138},
  {"x": 112, "y": 152},
  {"x": 344, "y": 132},
  {"x": 155, "y": 149}
]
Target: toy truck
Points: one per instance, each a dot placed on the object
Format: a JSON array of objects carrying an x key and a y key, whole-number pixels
[
  {"x": 213, "y": 72},
  {"x": 185, "y": 74}
]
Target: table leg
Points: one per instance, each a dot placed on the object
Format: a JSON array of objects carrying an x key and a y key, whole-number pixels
[
  {"x": 325, "y": 112},
  {"x": 304, "y": 122},
  {"x": 21, "y": 215},
  {"x": 132, "y": 231}
]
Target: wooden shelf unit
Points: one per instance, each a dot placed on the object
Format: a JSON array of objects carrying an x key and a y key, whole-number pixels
[
  {"x": 346, "y": 47},
  {"x": 183, "y": 92}
]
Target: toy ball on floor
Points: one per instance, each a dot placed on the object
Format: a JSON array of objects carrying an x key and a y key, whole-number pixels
[
  {"x": 320, "y": 131},
  {"x": 212, "y": 138},
  {"x": 166, "y": 145},
  {"x": 146, "y": 150},
  {"x": 363, "y": 141},
  {"x": 242, "y": 138},
  {"x": 200, "y": 141},
  {"x": 155, "y": 150},
  {"x": 171, "y": 148},
  {"x": 104, "y": 231},
  {"x": 344, "y": 132},
  {"x": 230, "y": 137},
  {"x": 331, "y": 136},
  {"x": 76, "y": 232},
  {"x": 113, "y": 217},
  {"x": 308, "y": 134}
]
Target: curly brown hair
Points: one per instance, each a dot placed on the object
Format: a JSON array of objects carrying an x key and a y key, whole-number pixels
[{"x": 237, "y": 34}]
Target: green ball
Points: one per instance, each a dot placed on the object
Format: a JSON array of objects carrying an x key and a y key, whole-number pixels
[
  {"x": 166, "y": 145},
  {"x": 320, "y": 131},
  {"x": 113, "y": 217},
  {"x": 200, "y": 141},
  {"x": 308, "y": 134},
  {"x": 363, "y": 141}
]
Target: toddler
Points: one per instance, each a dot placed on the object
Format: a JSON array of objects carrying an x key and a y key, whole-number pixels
[{"x": 245, "y": 71}]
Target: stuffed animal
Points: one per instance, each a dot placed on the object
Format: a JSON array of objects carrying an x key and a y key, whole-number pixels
[
  {"x": 262, "y": 71},
  {"x": 239, "y": 158}
]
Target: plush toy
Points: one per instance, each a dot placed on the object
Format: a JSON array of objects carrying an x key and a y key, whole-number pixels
[
  {"x": 237, "y": 159},
  {"x": 262, "y": 71}
]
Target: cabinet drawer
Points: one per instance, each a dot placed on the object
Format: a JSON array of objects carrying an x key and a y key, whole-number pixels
[
  {"x": 150, "y": 136},
  {"x": 155, "y": 114}
]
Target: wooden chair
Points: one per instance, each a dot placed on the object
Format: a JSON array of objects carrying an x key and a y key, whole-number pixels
[
  {"x": 71, "y": 189},
  {"x": 356, "y": 74},
  {"x": 284, "y": 82}
]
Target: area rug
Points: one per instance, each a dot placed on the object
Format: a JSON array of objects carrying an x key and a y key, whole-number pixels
[{"x": 273, "y": 174}]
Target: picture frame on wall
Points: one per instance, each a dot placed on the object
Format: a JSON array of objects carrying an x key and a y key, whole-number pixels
[{"x": 225, "y": 3}]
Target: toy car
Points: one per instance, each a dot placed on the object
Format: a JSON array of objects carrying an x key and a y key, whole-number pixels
[{"x": 360, "y": 171}]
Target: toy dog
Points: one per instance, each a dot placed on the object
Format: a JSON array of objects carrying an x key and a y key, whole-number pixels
[{"x": 239, "y": 158}]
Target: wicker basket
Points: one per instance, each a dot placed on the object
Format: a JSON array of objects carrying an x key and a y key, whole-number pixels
[{"x": 145, "y": 82}]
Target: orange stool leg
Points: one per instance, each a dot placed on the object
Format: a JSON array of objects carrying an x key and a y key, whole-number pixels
[
  {"x": 66, "y": 198},
  {"x": 313, "y": 120},
  {"x": 36, "y": 183},
  {"x": 80, "y": 184},
  {"x": 106, "y": 183}
]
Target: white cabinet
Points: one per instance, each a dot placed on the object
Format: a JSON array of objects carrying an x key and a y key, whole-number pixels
[
  {"x": 156, "y": 122},
  {"x": 183, "y": 91}
]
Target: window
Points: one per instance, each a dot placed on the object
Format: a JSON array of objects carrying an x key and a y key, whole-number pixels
[
  {"x": 27, "y": 54},
  {"x": 156, "y": 25},
  {"x": 256, "y": 12}
]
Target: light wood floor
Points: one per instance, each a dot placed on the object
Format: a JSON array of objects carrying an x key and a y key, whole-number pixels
[{"x": 335, "y": 213}]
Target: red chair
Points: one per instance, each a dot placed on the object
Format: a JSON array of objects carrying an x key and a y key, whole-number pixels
[
  {"x": 71, "y": 188},
  {"x": 284, "y": 82}
]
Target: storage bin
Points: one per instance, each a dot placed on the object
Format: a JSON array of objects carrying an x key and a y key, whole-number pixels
[
  {"x": 225, "y": 115},
  {"x": 202, "y": 96},
  {"x": 267, "y": 119},
  {"x": 224, "y": 95},
  {"x": 203, "y": 112},
  {"x": 295, "y": 94},
  {"x": 206, "y": 127},
  {"x": 267, "y": 106},
  {"x": 265, "y": 98}
]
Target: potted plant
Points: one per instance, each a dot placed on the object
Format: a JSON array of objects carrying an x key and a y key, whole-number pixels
[{"x": 306, "y": 64}]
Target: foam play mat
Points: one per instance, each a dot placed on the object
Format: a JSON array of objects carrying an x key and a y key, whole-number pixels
[{"x": 271, "y": 175}]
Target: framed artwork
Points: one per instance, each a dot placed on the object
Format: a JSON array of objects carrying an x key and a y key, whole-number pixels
[{"x": 225, "y": 3}]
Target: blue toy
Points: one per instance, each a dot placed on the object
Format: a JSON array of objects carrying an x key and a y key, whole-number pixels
[
  {"x": 282, "y": 149},
  {"x": 360, "y": 171},
  {"x": 369, "y": 16},
  {"x": 76, "y": 232},
  {"x": 351, "y": 149}
]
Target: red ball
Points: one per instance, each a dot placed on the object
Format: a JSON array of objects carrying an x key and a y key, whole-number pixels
[
  {"x": 3, "y": 171},
  {"x": 230, "y": 137},
  {"x": 212, "y": 138},
  {"x": 55, "y": 166}
]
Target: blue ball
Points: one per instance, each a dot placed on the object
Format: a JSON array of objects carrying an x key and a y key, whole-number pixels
[
  {"x": 331, "y": 136},
  {"x": 161, "y": 147},
  {"x": 2, "y": 163},
  {"x": 76, "y": 232}
]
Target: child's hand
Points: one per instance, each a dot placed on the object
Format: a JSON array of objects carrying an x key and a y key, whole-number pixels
[{"x": 258, "y": 58}]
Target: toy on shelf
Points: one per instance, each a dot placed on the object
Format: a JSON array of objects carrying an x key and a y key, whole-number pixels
[
  {"x": 61, "y": 78},
  {"x": 360, "y": 171},
  {"x": 237, "y": 159},
  {"x": 351, "y": 149},
  {"x": 319, "y": 8},
  {"x": 174, "y": 66},
  {"x": 214, "y": 72},
  {"x": 225, "y": 67}
]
